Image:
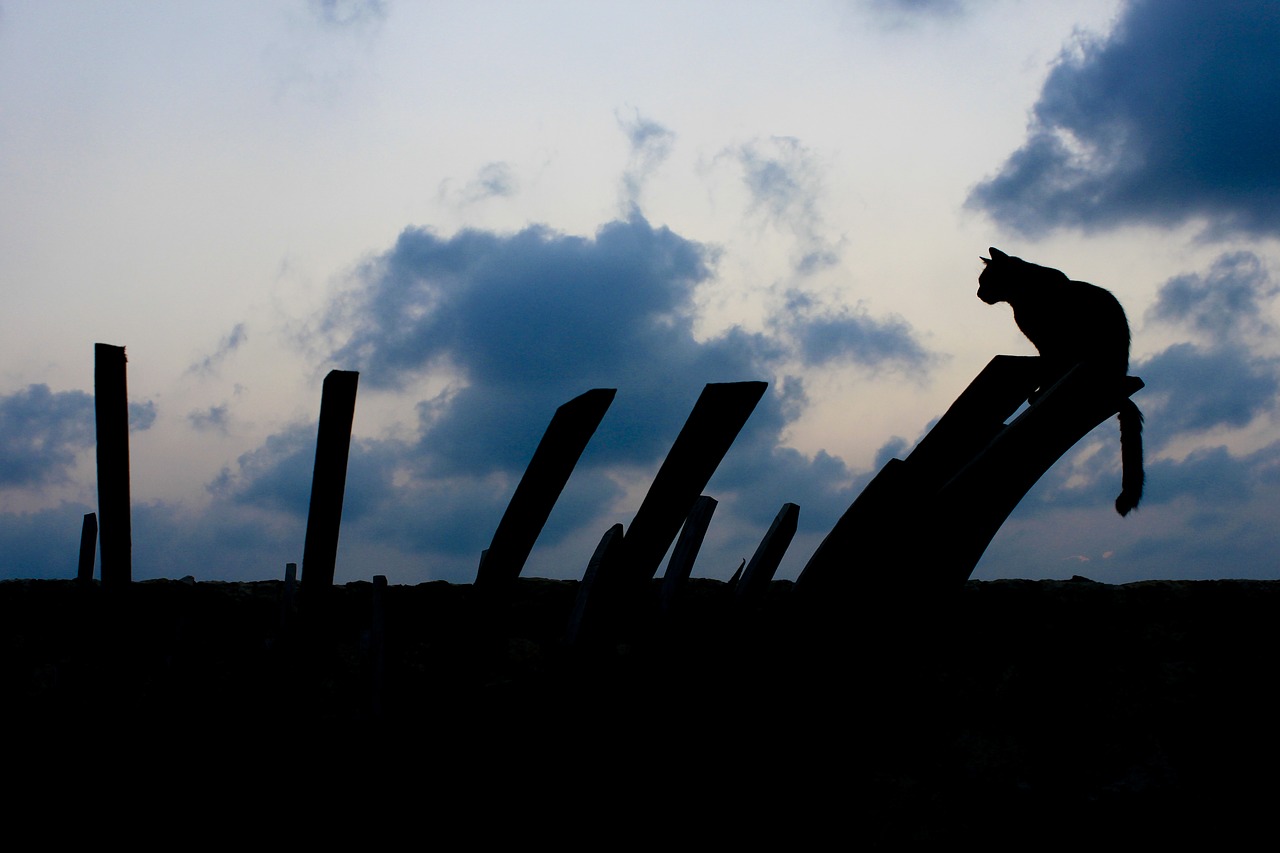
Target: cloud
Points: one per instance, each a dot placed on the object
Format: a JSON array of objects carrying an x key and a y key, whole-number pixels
[
  {"x": 1198, "y": 389},
  {"x": 785, "y": 182},
  {"x": 348, "y": 13},
  {"x": 212, "y": 419},
  {"x": 1223, "y": 304},
  {"x": 1171, "y": 117},
  {"x": 900, "y": 12},
  {"x": 650, "y": 147},
  {"x": 44, "y": 544},
  {"x": 493, "y": 180},
  {"x": 40, "y": 434},
  {"x": 230, "y": 342}
]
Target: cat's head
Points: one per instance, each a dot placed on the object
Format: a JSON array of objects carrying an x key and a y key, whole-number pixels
[
  {"x": 998, "y": 273},
  {"x": 1004, "y": 275}
]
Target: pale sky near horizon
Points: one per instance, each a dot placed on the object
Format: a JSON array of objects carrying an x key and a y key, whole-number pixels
[{"x": 489, "y": 208}]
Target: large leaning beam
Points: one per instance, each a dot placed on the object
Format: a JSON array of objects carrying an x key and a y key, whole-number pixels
[
  {"x": 924, "y": 522},
  {"x": 974, "y": 503},
  {"x": 553, "y": 461}
]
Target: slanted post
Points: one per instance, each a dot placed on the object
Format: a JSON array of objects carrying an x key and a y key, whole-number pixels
[
  {"x": 597, "y": 584},
  {"x": 88, "y": 547},
  {"x": 686, "y": 551},
  {"x": 329, "y": 479},
  {"x": 718, "y": 416},
  {"x": 111, "y": 410},
  {"x": 544, "y": 479},
  {"x": 764, "y": 563}
]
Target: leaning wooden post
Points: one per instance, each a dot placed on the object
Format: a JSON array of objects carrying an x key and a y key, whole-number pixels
[
  {"x": 88, "y": 547},
  {"x": 718, "y": 416},
  {"x": 686, "y": 551},
  {"x": 544, "y": 479},
  {"x": 329, "y": 479},
  {"x": 764, "y": 563},
  {"x": 111, "y": 410}
]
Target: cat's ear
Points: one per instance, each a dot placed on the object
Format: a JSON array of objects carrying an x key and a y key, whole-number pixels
[
  {"x": 985, "y": 261},
  {"x": 996, "y": 253}
]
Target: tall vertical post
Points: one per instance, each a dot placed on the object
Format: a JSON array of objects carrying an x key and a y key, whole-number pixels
[
  {"x": 329, "y": 479},
  {"x": 111, "y": 411}
]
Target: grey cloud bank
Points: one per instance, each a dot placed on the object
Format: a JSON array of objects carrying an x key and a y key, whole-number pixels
[{"x": 1170, "y": 118}]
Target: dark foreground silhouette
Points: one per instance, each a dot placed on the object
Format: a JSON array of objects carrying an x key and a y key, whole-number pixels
[{"x": 1027, "y": 713}]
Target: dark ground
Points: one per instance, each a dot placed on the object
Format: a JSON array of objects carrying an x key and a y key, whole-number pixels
[{"x": 1063, "y": 710}]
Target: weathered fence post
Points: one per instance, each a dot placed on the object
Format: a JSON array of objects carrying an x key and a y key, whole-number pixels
[
  {"x": 111, "y": 410},
  {"x": 717, "y": 418},
  {"x": 544, "y": 479},
  {"x": 596, "y": 585},
  {"x": 286, "y": 598},
  {"x": 329, "y": 479},
  {"x": 686, "y": 551},
  {"x": 88, "y": 547},
  {"x": 764, "y": 563}
]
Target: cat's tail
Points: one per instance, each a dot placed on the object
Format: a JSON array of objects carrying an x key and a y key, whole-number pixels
[{"x": 1130, "y": 457}]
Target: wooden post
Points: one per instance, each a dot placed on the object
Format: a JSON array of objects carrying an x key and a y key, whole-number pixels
[
  {"x": 286, "y": 598},
  {"x": 88, "y": 547},
  {"x": 544, "y": 479},
  {"x": 717, "y": 418},
  {"x": 595, "y": 585},
  {"x": 111, "y": 410},
  {"x": 329, "y": 479},
  {"x": 764, "y": 563},
  {"x": 686, "y": 551}
]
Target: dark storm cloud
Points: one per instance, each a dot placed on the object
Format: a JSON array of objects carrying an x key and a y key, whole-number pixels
[
  {"x": 534, "y": 319},
  {"x": 40, "y": 434},
  {"x": 1170, "y": 117},
  {"x": 44, "y": 544},
  {"x": 1198, "y": 389},
  {"x": 1225, "y": 303}
]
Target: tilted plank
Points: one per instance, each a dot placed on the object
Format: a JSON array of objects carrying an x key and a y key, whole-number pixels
[
  {"x": 717, "y": 418},
  {"x": 764, "y": 563},
  {"x": 544, "y": 479}
]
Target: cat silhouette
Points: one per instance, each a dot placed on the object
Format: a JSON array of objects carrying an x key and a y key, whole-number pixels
[{"x": 1070, "y": 323}]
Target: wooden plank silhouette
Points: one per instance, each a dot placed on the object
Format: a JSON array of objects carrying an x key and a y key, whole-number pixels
[
  {"x": 974, "y": 503},
  {"x": 88, "y": 547},
  {"x": 111, "y": 412},
  {"x": 544, "y": 479},
  {"x": 764, "y": 562},
  {"x": 924, "y": 522},
  {"x": 596, "y": 589},
  {"x": 329, "y": 479},
  {"x": 680, "y": 566},
  {"x": 717, "y": 418}
]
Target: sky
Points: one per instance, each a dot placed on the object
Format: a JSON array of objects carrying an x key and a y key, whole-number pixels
[{"x": 489, "y": 208}]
